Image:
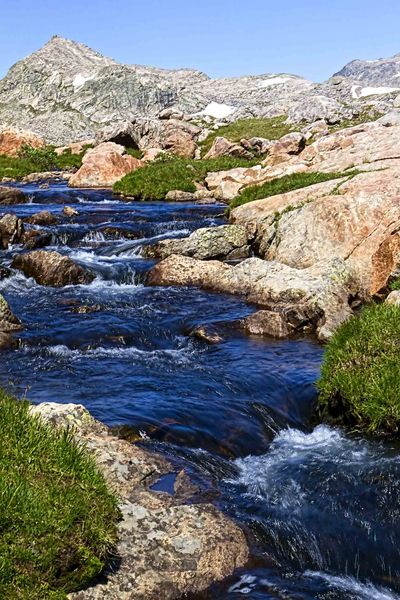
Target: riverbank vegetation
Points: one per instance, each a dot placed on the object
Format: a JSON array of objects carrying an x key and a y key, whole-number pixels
[
  {"x": 57, "y": 516},
  {"x": 37, "y": 160},
  {"x": 155, "y": 180},
  {"x": 282, "y": 185},
  {"x": 359, "y": 384},
  {"x": 271, "y": 128}
]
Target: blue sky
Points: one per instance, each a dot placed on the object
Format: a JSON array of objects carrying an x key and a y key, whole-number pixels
[{"x": 313, "y": 38}]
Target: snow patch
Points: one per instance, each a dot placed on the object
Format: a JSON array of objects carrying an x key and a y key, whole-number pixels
[
  {"x": 79, "y": 80},
  {"x": 273, "y": 81},
  {"x": 217, "y": 110},
  {"x": 375, "y": 91}
]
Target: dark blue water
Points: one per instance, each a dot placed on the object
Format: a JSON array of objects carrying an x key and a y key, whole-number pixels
[{"x": 321, "y": 509}]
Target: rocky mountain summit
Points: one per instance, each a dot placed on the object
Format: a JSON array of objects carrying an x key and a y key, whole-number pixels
[{"x": 66, "y": 92}]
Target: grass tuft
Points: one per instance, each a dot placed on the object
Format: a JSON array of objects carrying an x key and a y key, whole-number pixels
[
  {"x": 359, "y": 384},
  {"x": 395, "y": 284},
  {"x": 169, "y": 172},
  {"x": 57, "y": 517},
  {"x": 271, "y": 128},
  {"x": 36, "y": 160},
  {"x": 287, "y": 183}
]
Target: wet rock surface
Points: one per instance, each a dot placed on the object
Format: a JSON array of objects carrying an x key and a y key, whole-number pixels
[
  {"x": 166, "y": 547},
  {"x": 223, "y": 242},
  {"x": 309, "y": 299},
  {"x": 10, "y": 195},
  {"x": 8, "y": 321},
  {"x": 51, "y": 268},
  {"x": 11, "y": 230}
]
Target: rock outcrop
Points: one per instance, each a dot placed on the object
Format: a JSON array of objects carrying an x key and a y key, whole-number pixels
[
  {"x": 313, "y": 299},
  {"x": 223, "y": 147},
  {"x": 224, "y": 242},
  {"x": 355, "y": 217},
  {"x": 103, "y": 166},
  {"x": 168, "y": 546},
  {"x": 51, "y": 268},
  {"x": 13, "y": 139}
]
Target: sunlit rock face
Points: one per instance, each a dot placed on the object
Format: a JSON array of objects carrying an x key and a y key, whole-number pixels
[{"x": 67, "y": 92}]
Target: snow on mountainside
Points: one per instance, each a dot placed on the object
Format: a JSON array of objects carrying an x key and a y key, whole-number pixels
[{"x": 65, "y": 91}]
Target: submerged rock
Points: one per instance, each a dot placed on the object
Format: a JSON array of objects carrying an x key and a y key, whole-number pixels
[
  {"x": 225, "y": 241},
  {"x": 267, "y": 322},
  {"x": 207, "y": 333},
  {"x": 7, "y": 341},
  {"x": 314, "y": 299},
  {"x": 167, "y": 548},
  {"x": 51, "y": 268}
]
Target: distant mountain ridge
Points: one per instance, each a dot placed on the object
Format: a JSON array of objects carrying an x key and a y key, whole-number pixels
[{"x": 66, "y": 91}]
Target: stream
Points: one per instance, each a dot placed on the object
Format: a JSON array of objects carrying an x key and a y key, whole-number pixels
[{"x": 321, "y": 508}]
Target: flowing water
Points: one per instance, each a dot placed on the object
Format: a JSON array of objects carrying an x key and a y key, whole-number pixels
[{"x": 321, "y": 508}]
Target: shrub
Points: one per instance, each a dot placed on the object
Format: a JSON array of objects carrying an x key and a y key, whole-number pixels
[
  {"x": 287, "y": 183},
  {"x": 359, "y": 383},
  {"x": 57, "y": 517},
  {"x": 68, "y": 160},
  {"x": 45, "y": 158},
  {"x": 155, "y": 180},
  {"x": 271, "y": 128}
]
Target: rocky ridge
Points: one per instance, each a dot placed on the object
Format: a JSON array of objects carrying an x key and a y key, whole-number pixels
[{"x": 67, "y": 92}]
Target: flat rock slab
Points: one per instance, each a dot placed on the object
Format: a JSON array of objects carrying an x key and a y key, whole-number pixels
[
  {"x": 314, "y": 299},
  {"x": 225, "y": 242},
  {"x": 167, "y": 547}
]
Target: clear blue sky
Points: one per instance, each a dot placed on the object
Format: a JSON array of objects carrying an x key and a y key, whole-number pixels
[{"x": 313, "y": 38}]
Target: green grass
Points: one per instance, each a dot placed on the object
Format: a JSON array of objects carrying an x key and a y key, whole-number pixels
[
  {"x": 360, "y": 384},
  {"x": 395, "y": 284},
  {"x": 36, "y": 160},
  {"x": 57, "y": 517},
  {"x": 366, "y": 116},
  {"x": 135, "y": 152},
  {"x": 272, "y": 128},
  {"x": 155, "y": 180},
  {"x": 287, "y": 183}
]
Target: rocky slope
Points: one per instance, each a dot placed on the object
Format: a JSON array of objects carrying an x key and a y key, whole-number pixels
[{"x": 66, "y": 92}]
